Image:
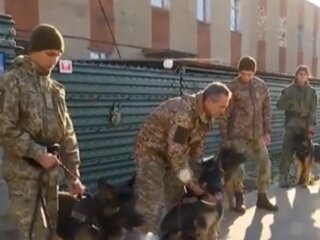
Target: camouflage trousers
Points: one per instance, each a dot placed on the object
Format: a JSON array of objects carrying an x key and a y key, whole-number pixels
[
  {"x": 156, "y": 188},
  {"x": 257, "y": 151},
  {"x": 22, "y": 196},
  {"x": 288, "y": 148}
]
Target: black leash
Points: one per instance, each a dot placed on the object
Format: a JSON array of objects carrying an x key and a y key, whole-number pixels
[{"x": 40, "y": 199}]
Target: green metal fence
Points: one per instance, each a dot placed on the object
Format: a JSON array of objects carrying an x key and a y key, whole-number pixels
[{"x": 95, "y": 88}]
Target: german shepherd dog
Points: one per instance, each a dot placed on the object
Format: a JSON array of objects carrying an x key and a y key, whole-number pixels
[
  {"x": 194, "y": 218},
  {"x": 102, "y": 216},
  {"x": 307, "y": 155}
]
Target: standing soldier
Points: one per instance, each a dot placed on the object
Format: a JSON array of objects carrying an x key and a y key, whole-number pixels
[
  {"x": 299, "y": 101},
  {"x": 33, "y": 111},
  {"x": 248, "y": 125},
  {"x": 170, "y": 140}
]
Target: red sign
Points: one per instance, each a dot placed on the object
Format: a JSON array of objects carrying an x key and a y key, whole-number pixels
[{"x": 65, "y": 66}]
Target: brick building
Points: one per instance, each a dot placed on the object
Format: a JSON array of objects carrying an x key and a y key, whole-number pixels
[{"x": 279, "y": 33}]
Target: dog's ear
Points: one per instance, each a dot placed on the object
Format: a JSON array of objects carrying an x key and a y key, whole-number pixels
[
  {"x": 100, "y": 182},
  {"x": 105, "y": 190},
  {"x": 131, "y": 181}
]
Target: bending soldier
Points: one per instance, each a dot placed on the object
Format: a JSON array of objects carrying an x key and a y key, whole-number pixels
[{"x": 171, "y": 139}]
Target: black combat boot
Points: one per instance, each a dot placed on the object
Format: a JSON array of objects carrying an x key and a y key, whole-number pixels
[
  {"x": 264, "y": 203},
  {"x": 283, "y": 181},
  {"x": 240, "y": 208}
]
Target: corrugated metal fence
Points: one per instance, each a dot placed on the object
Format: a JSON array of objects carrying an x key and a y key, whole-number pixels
[{"x": 95, "y": 88}]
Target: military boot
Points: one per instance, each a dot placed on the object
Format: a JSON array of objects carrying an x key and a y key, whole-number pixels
[
  {"x": 283, "y": 181},
  {"x": 240, "y": 208},
  {"x": 264, "y": 203}
]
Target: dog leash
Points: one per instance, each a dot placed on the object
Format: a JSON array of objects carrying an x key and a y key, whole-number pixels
[{"x": 40, "y": 200}]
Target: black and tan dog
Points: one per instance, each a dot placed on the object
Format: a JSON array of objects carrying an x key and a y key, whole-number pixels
[
  {"x": 102, "y": 216},
  {"x": 307, "y": 155},
  {"x": 197, "y": 218}
]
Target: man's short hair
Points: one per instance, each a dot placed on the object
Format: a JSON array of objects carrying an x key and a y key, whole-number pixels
[
  {"x": 215, "y": 90},
  {"x": 302, "y": 68},
  {"x": 247, "y": 63}
]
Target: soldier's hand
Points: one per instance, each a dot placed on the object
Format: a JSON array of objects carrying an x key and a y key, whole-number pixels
[
  {"x": 310, "y": 132},
  {"x": 195, "y": 188},
  {"x": 76, "y": 188},
  {"x": 49, "y": 161},
  {"x": 266, "y": 139}
]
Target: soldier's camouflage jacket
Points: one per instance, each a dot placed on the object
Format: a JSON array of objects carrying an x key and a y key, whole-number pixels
[
  {"x": 248, "y": 115},
  {"x": 33, "y": 108},
  {"x": 174, "y": 132},
  {"x": 300, "y": 105}
]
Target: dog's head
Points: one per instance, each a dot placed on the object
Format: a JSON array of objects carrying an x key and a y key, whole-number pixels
[
  {"x": 106, "y": 199},
  {"x": 303, "y": 146},
  {"x": 214, "y": 168},
  {"x": 121, "y": 207},
  {"x": 211, "y": 177}
]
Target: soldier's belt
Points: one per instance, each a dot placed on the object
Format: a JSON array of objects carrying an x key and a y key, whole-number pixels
[
  {"x": 296, "y": 114},
  {"x": 53, "y": 148}
]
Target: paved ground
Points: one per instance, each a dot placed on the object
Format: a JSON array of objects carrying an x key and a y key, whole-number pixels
[{"x": 297, "y": 219}]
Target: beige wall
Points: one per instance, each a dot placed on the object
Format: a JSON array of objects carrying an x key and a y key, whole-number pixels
[
  {"x": 220, "y": 30},
  {"x": 318, "y": 50},
  {"x": 292, "y": 35},
  {"x": 308, "y": 34},
  {"x": 2, "y": 11},
  {"x": 183, "y": 25},
  {"x": 248, "y": 27},
  {"x": 272, "y": 41},
  {"x": 133, "y": 26},
  {"x": 71, "y": 18}
]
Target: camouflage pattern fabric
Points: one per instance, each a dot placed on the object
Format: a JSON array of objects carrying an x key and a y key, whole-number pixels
[
  {"x": 247, "y": 120},
  {"x": 32, "y": 108},
  {"x": 22, "y": 206},
  {"x": 256, "y": 151},
  {"x": 300, "y": 106},
  {"x": 249, "y": 112},
  {"x": 171, "y": 137}
]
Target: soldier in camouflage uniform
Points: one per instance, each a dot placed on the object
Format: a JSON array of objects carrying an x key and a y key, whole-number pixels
[
  {"x": 170, "y": 141},
  {"x": 248, "y": 126},
  {"x": 33, "y": 110},
  {"x": 299, "y": 101}
]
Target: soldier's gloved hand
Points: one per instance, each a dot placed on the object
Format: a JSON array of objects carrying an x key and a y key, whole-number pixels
[
  {"x": 196, "y": 188},
  {"x": 49, "y": 161}
]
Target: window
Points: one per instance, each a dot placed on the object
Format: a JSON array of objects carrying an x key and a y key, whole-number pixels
[
  {"x": 300, "y": 37},
  {"x": 97, "y": 55},
  {"x": 159, "y": 3},
  {"x": 234, "y": 16},
  {"x": 203, "y": 10}
]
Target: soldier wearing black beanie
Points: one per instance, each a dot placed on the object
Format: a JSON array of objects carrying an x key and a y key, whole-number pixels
[
  {"x": 33, "y": 115},
  {"x": 46, "y": 37}
]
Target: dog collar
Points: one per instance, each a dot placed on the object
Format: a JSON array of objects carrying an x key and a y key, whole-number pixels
[{"x": 209, "y": 203}]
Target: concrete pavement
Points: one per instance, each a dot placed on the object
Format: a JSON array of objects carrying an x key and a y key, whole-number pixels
[{"x": 298, "y": 217}]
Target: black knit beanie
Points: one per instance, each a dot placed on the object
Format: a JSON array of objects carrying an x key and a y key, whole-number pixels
[{"x": 45, "y": 37}]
